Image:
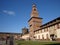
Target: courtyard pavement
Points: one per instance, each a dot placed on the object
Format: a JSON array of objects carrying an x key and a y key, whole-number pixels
[{"x": 4, "y": 42}]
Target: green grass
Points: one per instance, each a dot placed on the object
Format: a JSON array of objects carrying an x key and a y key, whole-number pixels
[{"x": 36, "y": 43}]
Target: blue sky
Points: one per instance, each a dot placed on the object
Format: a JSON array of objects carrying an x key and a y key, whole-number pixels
[{"x": 14, "y": 14}]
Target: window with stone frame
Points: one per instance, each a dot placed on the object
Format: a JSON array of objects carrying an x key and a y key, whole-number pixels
[
  {"x": 35, "y": 37},
  {"x": 48, "y": 28},
  {"x": 39, "y": 31},
  {"x": 55, "y": 27},
  {"x": 42, "y": 30},
  {"x": 38, "y": 36},
  {"x": 51, "y": 29},
  {"x": 45, "y": 29},
  {"x": 30, "y": 25},
  {"x": 58, "y": 26},
  {"x": 35, "y": 32}
]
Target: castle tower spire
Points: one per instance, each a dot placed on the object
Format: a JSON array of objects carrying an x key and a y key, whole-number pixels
[
  {"x": 34, "y": 22},
  {"x": 34, "y": 12}
]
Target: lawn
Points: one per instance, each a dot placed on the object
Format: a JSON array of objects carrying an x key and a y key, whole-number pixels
[{"x": 36, "y": 43}]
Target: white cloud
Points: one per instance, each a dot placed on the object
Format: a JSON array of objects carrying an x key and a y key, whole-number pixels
[
  {"x": 9, "y": 12},
  {"x": 4, "y": 11}
]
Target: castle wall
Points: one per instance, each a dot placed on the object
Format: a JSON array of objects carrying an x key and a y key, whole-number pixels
[
  {"x": 26, "y": 36},
  {"x": 44, "y": 35},
  {"x": 58, "y": 33}
]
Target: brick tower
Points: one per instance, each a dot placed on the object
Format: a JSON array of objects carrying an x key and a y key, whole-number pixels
[{"x": 34, "y": 22}]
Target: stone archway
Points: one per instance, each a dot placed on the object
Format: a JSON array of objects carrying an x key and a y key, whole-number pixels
[{"x": 52, "y": 36}]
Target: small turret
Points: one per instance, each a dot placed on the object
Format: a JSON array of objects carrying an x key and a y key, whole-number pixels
[{"x": 24, "y": 30}]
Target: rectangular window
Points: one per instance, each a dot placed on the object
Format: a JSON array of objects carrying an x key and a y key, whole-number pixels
[
  {"x": 55, "y": 27},
  {"x": 48, "y": 28},
  {"x": 41, "y": 31},
  {"x": 38, "y": 36},
  {"x": 58, "y": 26},
  {"x": 44, "y": 30},
  {"x": 30, "y": 25},
  {"x": 35, "y": 32}
]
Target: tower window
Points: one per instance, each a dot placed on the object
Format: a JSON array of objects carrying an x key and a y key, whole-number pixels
[
  {"x": 34, "y": 9},
  {"x": 30, "y": 25}
]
